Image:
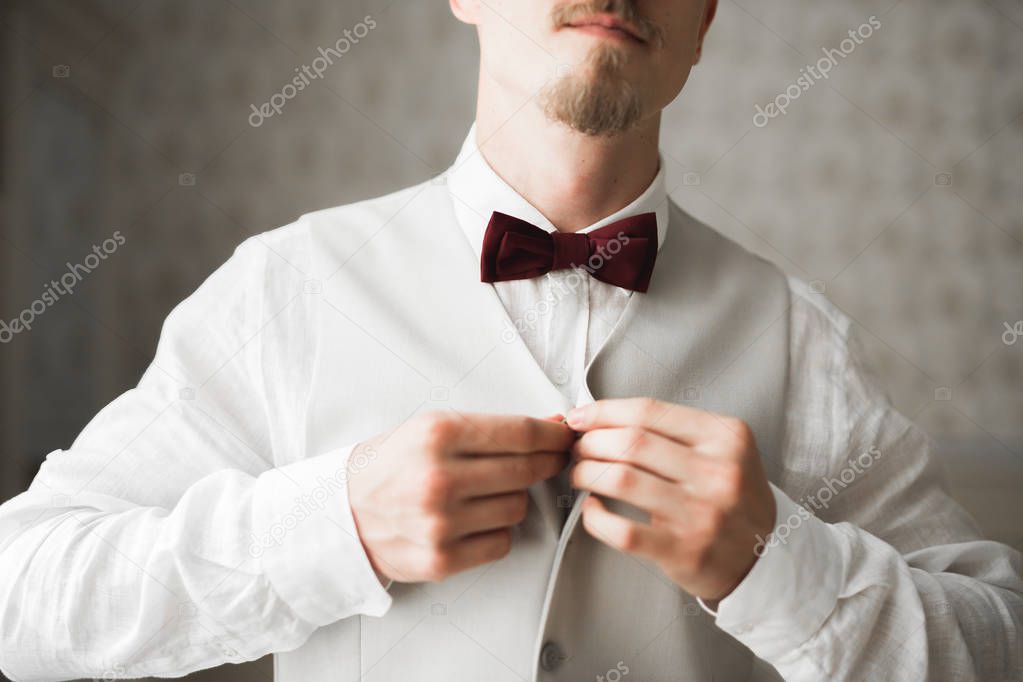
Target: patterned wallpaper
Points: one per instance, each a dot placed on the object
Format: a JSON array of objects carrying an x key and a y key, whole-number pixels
[{"x": 890, "y": 183}]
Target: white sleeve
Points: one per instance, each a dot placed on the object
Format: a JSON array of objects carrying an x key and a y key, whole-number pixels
[
  {"x": 888, "y": 578},
  {"x": 831, "y": 601},
  {"x": 164, "y": 540}
]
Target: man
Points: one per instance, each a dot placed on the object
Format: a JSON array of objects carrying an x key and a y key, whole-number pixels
[{"x": 220, "y": 512}]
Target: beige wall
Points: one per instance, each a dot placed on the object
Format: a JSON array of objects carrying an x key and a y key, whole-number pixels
[{"x": 893, "y": 185}]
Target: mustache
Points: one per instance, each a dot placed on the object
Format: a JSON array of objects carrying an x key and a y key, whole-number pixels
[{"x": 626, "y": 10}]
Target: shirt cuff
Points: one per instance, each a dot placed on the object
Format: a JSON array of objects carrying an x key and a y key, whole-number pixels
[
  {"x": 305, "y": 537},
  {"x": 792, "y": 588}
]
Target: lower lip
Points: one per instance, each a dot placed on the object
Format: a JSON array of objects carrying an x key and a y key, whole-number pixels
[{"x": 605, "y": 32}]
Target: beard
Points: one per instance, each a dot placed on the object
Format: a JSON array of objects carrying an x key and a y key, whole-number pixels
[{"x": 598, "y": 99}]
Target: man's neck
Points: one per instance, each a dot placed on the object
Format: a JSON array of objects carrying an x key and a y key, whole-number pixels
[{"x": 573, "y": 179}]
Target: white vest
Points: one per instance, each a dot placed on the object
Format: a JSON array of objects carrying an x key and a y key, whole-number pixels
[{"x": 417, "y": 331}]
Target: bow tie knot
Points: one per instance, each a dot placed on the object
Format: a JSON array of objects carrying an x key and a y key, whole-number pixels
[
  {"x": 621, "y": 253},
  {"x": 570, "y": 250}
]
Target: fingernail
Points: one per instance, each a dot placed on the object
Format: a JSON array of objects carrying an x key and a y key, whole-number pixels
[{"x": 576, "y": 417}]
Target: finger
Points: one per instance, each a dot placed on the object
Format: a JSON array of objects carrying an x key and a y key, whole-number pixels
[
  {"x": 489, "y": 513},
  {"x": 624, "y": 534},
  {"x": 476, "y": 550},
  {"x": 627, "y": 483},
  {"x": 485, "y": 433},
  {"x": 678, "y": 422},
  {"x": 490, "y": 475},
  {"x": 634, "y": 445}
]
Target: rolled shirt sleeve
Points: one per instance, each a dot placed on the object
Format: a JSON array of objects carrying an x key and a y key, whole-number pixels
[
  {"x": 872, "y": 571},
  {"x": 306, "y": 539},
  {"x": 186, "y": 526},
  {"x": 792, "y": 588}
]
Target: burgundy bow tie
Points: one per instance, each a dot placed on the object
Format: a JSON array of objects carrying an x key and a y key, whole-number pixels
[{"x": 621, "y": 253}]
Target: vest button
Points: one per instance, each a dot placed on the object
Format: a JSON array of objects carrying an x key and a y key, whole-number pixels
[{"x": 551, "y": 657}]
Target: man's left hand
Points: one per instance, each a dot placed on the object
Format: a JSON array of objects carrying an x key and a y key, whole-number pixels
[{"x": 699, "y": 476}]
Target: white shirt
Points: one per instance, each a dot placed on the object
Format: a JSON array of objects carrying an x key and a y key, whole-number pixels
[
  {"x": 565, "y": 316},
  {"x": 138, "y": 551}
]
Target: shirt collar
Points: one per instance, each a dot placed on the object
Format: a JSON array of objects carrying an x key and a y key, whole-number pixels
[{"x": 477, "y": 191}]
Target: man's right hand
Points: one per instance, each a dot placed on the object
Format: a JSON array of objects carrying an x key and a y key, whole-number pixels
[{"x": 444, "y": 489}]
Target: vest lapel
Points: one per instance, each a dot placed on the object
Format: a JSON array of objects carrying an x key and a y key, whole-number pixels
[
  {"x": 405, "y": 327},
  {"x": 714, "y": 320},
  {"x": 711, "y": 332},
  {"x": 430, "y": 335},
  {"x": 700, "y": 334}
]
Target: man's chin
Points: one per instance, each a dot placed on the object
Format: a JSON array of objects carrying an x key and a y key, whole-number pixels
[{"x": 596, "y": 98}]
